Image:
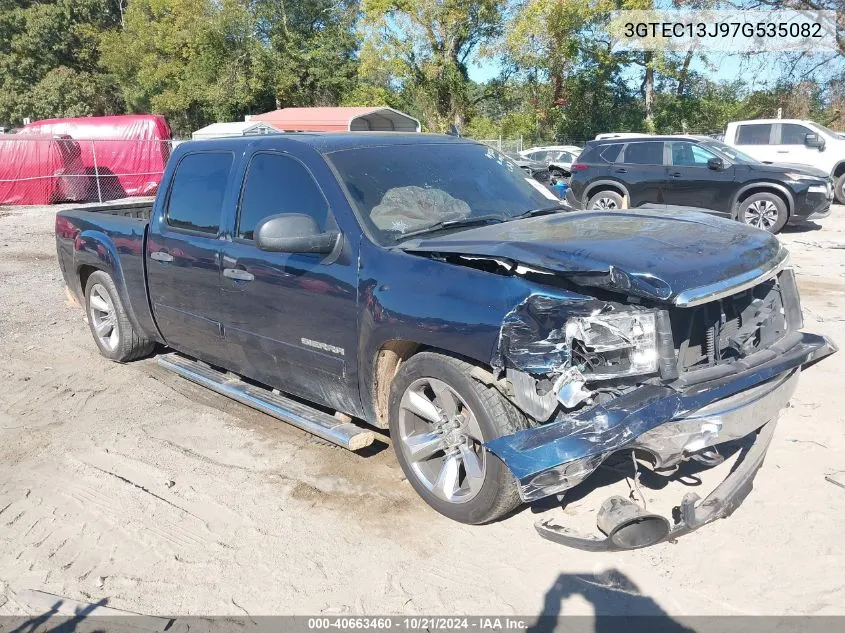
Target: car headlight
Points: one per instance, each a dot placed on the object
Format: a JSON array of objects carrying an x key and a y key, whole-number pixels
[
  {"x": 615, "y": 344},
  {"x": 793, "y": 176}
]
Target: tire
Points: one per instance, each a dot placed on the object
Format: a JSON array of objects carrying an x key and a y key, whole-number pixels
[
  {"x": 492, "y": 492},
  {"x": 606, "y": 200},
  {"x": 839, "y": 189},
  {"x": 764, "y": 210},
  {"x": 110, "y": 326}
]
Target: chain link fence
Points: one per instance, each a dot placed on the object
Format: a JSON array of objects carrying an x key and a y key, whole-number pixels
[{"x": 42, "y": 169}]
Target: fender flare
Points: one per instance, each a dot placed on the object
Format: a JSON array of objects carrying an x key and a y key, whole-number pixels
[
  {"x": 97, "y": 250},
  {"x": 763, "y": 184},
  {"x": 841, "y": 163}
]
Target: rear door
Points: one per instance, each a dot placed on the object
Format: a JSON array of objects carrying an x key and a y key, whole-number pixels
[
  {"x": 183, "y": 256},
  {"x": 290, "y": 319},
  {"x": 757, "y": 140},
  {"x": 692, "y": 183},
  {"x": 643, "y": 172}
]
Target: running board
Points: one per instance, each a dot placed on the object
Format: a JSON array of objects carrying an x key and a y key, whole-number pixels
[{"x": 314, "y": 421}]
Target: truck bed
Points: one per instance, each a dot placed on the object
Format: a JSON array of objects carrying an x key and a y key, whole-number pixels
[{"x": 137, "y": 209}]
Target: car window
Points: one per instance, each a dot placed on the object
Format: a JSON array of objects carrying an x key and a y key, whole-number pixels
[
  {"x": 196, "y": 196},
  {"x": 754, "y": 134},
  {"x": 278, "y": 184},
  {"x": 611, "y": 153},
  {"x": 649, "y": 153},
  {"x": 793, "y": 134},
  {"x": 690, "y": 155}
]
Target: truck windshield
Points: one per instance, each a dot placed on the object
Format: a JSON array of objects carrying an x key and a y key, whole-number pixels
[{"x": 399, "y": 190}]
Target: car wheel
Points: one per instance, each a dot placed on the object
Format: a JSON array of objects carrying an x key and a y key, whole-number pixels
[
  {"x": 113, "y": 332},
  {"x": 439, "y": 419},
  {"x": 766, "y": 211},
  {"x": 839, "y": 189},
  {"x": 605, "y": 201}
]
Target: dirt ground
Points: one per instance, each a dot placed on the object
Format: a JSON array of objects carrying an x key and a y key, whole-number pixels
[{"x": 123, "y": 483}]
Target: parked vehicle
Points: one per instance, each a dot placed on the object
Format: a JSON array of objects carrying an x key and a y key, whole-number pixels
[
  {"x": 700, "y": 173},
  {"x": 537, "y": 170},
  {"x": 795, "y": 142},
  {"x": 37, "y": 169},
  {"x": 558, "y": 158},
  {"x": 606, "y": 135},
  {"x": 423, "y": 284}
]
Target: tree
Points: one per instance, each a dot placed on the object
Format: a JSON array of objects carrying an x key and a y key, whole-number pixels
[{"x": 423, "y": 48}]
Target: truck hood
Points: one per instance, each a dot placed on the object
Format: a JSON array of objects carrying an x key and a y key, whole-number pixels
[{"x": 682, "y": 258}]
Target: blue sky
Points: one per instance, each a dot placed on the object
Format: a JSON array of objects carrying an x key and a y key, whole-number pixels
[{"x": 723, "y": 67}]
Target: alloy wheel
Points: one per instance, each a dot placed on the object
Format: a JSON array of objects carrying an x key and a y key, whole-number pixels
[
  {"x": 605, "y": 204},
  {"x": 761, "y": 213},
  {"x": 441, "y": 439},
  {"x": 103, "y": 317}
]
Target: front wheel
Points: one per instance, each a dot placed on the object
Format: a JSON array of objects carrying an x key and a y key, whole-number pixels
[
  {"x": 439, "y": 419},
  {"x": 765, "y": 211},
  {"x": 839, "y": 189}
]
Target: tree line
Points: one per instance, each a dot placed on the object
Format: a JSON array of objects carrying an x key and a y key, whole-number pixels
[{"x": 557, "y": 74}]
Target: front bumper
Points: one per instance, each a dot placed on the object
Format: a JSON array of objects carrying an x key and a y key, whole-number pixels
[
  {"x": 814, "y": 204},
  {"x": 667, "y": 421}
]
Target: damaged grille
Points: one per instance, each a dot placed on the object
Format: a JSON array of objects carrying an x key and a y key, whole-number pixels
[{"x": 734, "y": 327}]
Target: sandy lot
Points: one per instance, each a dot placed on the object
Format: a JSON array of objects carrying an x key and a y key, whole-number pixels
[{"x": 123, "y": 483}]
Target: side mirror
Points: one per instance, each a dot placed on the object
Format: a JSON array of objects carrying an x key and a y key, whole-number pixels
[
  {"x": 814, "y": 140},
  {"x": 716, "y": 164},
  {"x": 293, "y": 233}
]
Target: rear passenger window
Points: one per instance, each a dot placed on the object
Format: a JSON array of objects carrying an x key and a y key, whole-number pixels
[
  {"x": 793, "y": 134},
  {"x": 649, "y": 153},
  {"x": 611, "y": 153},
  {"x": 754, "y": 134},
  {"x": 278, "y": 184},
  {"x": 196, "y": 195}
]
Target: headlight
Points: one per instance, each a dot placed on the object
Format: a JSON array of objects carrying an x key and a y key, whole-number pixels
[
  {"x": 793, "y": 176},
  {"x": 614, "y": 345}
]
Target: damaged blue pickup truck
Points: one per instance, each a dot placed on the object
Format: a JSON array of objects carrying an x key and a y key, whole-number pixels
[{"x": 424, "y": 284}]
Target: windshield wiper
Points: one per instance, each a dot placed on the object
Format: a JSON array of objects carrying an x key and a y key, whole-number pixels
[
  {"x": 542, "y": 211},
  {"x": 450, "y": 224}
]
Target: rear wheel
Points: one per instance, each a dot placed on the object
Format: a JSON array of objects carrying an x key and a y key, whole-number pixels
[
  {"x": 605, "y": 201},
  {"x": 765, "y": 211},
  {"x": 839, "y": 189},
  {"x": 439, "y": 419},
  {"x": 113, "y": 332}
]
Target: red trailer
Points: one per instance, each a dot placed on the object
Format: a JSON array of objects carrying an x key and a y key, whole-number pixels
[
  {"x": 127, "y": 152},
  {"x": 35, "y": 169}
]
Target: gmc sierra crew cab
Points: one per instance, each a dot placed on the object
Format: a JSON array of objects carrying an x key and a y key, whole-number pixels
[{"x": 426, "y": 285}]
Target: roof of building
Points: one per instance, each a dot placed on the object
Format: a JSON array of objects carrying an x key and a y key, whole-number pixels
[{"x": 341, "y": 119}]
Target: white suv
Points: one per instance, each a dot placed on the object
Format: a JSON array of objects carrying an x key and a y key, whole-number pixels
[
  {"x": 559, "y": 158},
  {"x": 792, "y": 141}
]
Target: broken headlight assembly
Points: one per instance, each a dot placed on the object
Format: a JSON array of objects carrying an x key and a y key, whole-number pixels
[{"x": 623, "y": 343}]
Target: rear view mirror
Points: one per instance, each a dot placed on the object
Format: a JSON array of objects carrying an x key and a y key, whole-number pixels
[
  {"x": 716, "y": 164},
  {"x": 814, "y": 140},
  {"x": 293, "y": 233}
]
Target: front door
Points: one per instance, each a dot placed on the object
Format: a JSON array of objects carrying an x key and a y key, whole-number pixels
[
  {"x": 183, "y": 256},
  {"x": 691, "y": 183},
  {"x": 290, "y": 318},
  {"x": 791, "y": 145}
]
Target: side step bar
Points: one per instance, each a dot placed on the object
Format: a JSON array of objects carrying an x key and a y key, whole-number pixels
[{"x": 314, "y": 421}]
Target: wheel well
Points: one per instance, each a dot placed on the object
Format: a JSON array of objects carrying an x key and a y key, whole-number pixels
[
  {"x": 764, "y": 189},
  {"x": 602, "y": 187},
  {"x": 388, "y": 359},
  {"x": 839, "y": 170},
  {"x": 84, "y": 273}
]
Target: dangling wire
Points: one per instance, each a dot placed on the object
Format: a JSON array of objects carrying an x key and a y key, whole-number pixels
[{"x": 637, "y": 480}]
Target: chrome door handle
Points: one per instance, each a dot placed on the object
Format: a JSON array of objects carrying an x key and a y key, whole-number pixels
[
  {"x": 239, "y": 274},
  {"x": 622, "y": 170},
  {"x": 677, "y": 174},
  {"x": 161, "y": 256},
  {"x": 782, "y": 151}
]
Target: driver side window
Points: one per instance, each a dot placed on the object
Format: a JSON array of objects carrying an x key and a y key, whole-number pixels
[{"x": 275, "y": 184}]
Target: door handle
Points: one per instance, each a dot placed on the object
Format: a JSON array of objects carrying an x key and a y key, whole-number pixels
[
  {"x": 161, "y": 256},
  {"x": 238, "y": 274},
  {"x": 782, "y": 151},
  {"x": 621, "y": 170},
  {"x": 677, "y": 174}
]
